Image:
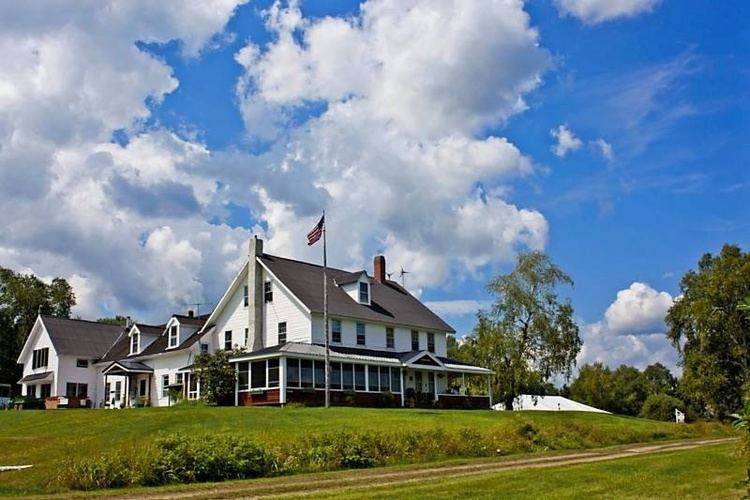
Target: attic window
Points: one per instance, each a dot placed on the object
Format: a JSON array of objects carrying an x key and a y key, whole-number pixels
[
  {"x": 364, "y": 293},
  {"x": 267, "y": 292},
  {"x": 134, "y": 341},
  {"x": 173, "y": 335}
]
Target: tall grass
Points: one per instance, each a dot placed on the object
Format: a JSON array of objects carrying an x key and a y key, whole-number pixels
[{"x": 180, "y": 458}]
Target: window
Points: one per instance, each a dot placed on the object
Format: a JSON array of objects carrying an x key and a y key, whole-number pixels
[
  {"x": 389, "y": 340},
  {"x": 267, "y": 292},
  {"x": 45, "y": 390},
  {"x": 431, "y": 342},
  {"x": 164, "y": 386},
  {"x": 385, "y": 379},
  {"x": 40, "y": 358},
  {"x": 118, "y": 391},
  {"x": 395, "y": 380},
  {"x": 75, "y": 390},
  {"x": 31, "y": 390},
  {"x": 364, "y": 293},
  {"x": 414, "y": 340},
  {"x": 228, "y": 340},
  {"x": 247, "y": 335},
  {"x": 320, "y": 374},
  {"x": 142, "y": 387},
  {"x": 360, "y": 334},
  {"x": 134, "y": 341},
  {"x": 173, "y": 335},
  {"x": 282, "y": 333},
  {"x": 336, "y": 331},
  {"x": 359, "y": 378},
  {"x": 204, "y": 348},
  {"x": 335, "y": 375},
  {"x": 292, "y": 372},
  {"x": 179, "y": 378},
  {"x": 107, "y": 390},
  {"x": 273, "y": 372},
  {"x": 347, "y": 376},
  {"x": 245, "y": 296},
  {"x": 306, "y": 372},
  {"x": 373, "y": 379},
  {"x": 82, "y": 363},
  {"x": 243, "y": 376},
  {"x": 258, "y": 374}
]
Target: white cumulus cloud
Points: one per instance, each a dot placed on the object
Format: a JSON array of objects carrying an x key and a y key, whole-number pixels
[
  {"x": 566, "y": 140},
  {"x": 598, "y": 11}
]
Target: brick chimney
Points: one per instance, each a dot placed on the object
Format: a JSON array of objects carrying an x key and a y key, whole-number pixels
[{"x": 378, "y": 268}]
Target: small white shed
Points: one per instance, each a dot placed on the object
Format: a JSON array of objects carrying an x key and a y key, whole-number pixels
[{"x": 529, "y": 402}]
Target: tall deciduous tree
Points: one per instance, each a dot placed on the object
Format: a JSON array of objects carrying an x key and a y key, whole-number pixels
[
  {"x": 529, "y": 335},
  {"x": 22, "y": 298},
  {"x": 711, "y": 333}
]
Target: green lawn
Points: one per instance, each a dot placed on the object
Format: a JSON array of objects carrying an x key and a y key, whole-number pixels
[
  {"x": 49, "y": 439},
  {"x": 703, "y": 473}
]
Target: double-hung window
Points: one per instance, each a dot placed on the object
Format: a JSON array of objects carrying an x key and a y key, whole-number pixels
[
  {"x": 134, "y": 341},
  {"x": 267, "y": 292},
  {"x": 389, "y": 338},
  {"x": 414, "y": 340},
  {"x": 245, "y": 296},
  {"x": 282, "y": 333},
  {"x": 336, "y": 331},
  {"x": 173, "y": 335},
  {"x": 431, "y": 342},
  {"x": 364, "y": 293},
  {"x": 360, "y": 334},
  {"x": 228, "y": 340},
  {"x": 165, "y": 386}
]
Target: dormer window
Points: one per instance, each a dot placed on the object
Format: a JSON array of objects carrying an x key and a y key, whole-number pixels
[
  {"x": 135, "y": 338},
  {"x": 364, "y": 292},
  {"x": 174, "y": 335}
]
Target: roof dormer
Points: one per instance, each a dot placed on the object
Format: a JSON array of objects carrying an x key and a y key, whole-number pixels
[
  {"x": 357, "y": 285},
  {"x": 173, "y": 333},
  {"x": 135, "y": 340}
]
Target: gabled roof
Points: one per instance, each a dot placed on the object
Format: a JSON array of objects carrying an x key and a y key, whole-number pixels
[
  {"x": 390, "y": 303},
  {"x": 150, "y": 329},
  {"x": 77, "y": 337}
]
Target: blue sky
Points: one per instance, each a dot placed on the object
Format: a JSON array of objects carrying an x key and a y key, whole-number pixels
[{"x": 611, "y": 135}]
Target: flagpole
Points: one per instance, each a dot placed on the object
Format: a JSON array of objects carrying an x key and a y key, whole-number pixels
[{"x": 325, "y": 316}]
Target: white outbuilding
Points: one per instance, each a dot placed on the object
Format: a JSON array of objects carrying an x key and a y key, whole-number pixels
[{"x": 529, "y": 402}]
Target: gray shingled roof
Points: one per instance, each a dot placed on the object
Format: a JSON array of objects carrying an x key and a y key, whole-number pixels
[
  {"x": 391, "y": 304},
  {"x": 87, "y": 339}
]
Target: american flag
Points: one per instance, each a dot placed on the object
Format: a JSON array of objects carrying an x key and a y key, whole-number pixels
[{"x": 314, "y": 235}]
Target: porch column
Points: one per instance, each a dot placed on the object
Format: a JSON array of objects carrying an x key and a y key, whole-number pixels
[
  {"x": 489, "y": 387},
  {"x": 127, "y": 389},
  {"x": 149, "y": 389},
  {"x": 282, "y": 380},
  {"x": 434, "y": 386},
  {"x": 237, "y": 384},
  {"x": 106, "y": 392},
  {"x": 403, "y": 389}
]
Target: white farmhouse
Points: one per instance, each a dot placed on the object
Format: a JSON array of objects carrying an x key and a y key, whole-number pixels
[{"x": 387, "y": 348}]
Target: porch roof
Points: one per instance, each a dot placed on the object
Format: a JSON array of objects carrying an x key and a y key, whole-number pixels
[
  {"x": 344, "y": 353},
  {"x": 36, "y": 377},
  {"x": 127, "y": 366}
]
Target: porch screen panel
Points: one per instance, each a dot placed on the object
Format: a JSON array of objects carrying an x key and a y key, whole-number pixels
[
  {"x": 335, "y": 375},
  {"x": 258, "y": 374},
  {"x": 306, "y": 372},
  {"x": 347, "y": 376},
  {"x": 385, "y": 379},
  {"x": 359, "y": 378},
  {"x": 292, "y": 372},
  {"x": 320, "y": 375},
  {"x": 395, "y": 380},
  {"x": 273, "y": 372},
  {"x": 243, "y": 380},
  {"x": 373, "y": 378}
]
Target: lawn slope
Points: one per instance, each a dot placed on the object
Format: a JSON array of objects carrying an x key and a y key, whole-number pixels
[{"x": 50, "y": 439}]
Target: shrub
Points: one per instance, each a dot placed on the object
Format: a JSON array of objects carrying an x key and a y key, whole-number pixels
[{"x": 661, "y": 407}]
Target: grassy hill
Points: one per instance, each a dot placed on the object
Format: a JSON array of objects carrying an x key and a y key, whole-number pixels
[{"x": 50, "y": 439}]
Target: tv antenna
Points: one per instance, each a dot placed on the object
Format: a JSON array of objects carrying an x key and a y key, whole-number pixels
[
  {"x": 402, "y": 275},
  {"x": 197, "y": 307}
]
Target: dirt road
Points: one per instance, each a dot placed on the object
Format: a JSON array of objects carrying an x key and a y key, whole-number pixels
[{"x": 305, "y": 485}]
